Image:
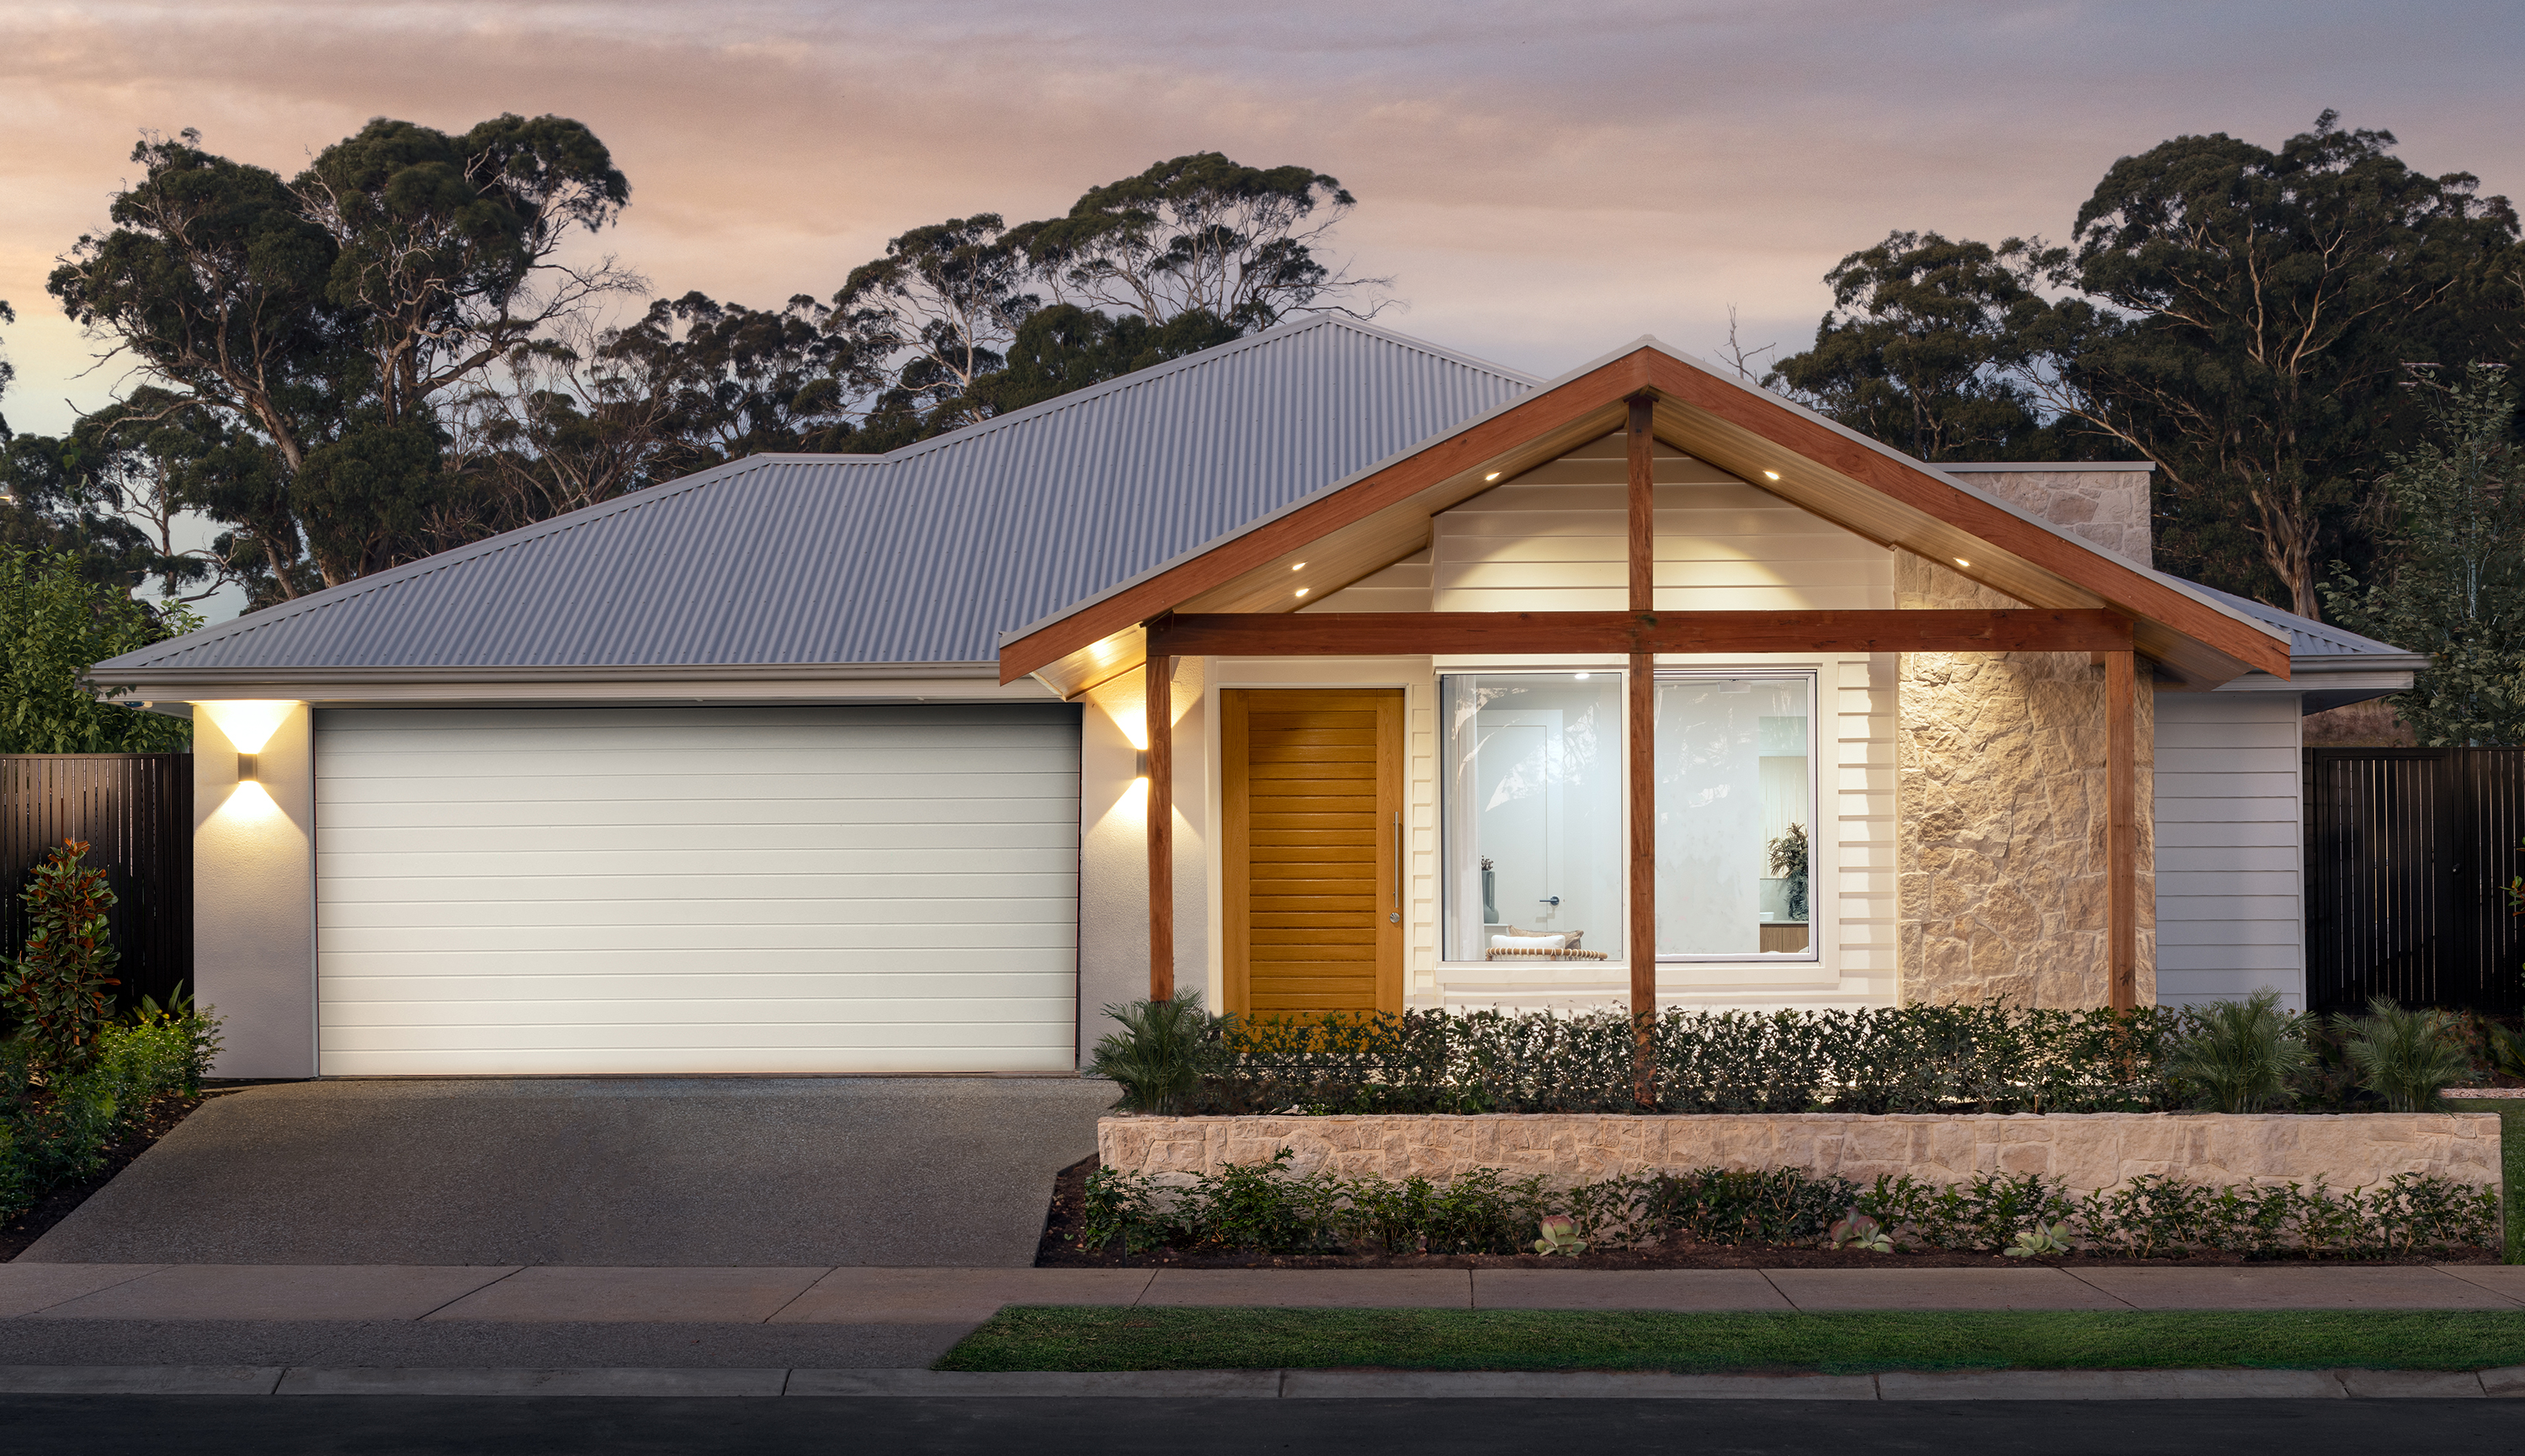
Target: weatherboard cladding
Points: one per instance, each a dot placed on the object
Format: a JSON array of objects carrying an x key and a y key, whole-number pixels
[{"x": 923, "y": 556}]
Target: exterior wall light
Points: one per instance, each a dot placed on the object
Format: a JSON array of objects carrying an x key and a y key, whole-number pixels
[
  {"x": 1140, "y": 763},
  {"x": 248, "y": 771}
]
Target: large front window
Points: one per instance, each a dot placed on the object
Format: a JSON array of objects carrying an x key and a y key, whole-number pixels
[
  {"x": 1532, "y": 815},
  {"x": 1735, "y": 805}
]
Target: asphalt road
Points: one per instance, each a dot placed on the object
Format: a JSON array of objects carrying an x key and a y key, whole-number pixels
[{"x": 380, "y": 1426}]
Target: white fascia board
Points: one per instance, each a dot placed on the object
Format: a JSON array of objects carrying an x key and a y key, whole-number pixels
[{"x": 2380, "y": 679}]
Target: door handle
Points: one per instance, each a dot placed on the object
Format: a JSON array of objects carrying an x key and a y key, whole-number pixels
[
  {"x": 1553, "y": 902},
  {"x": 1396, "y": 918}
]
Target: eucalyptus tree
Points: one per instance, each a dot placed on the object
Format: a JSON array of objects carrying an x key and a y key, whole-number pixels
[
  {"x": 1202, "y": 234},
  {"x": 2451, "y": 581}
]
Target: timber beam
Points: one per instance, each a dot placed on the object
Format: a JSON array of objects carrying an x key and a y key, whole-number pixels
[{"x": 1532, "y": 633}]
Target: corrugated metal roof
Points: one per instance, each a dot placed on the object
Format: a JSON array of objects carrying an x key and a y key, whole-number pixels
[
  {"x": 923, "y": 555},
  {"x": 2309, "y": 638}
]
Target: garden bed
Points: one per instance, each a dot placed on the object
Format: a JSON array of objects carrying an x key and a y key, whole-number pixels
[
  {"x": 1064, "y": 1223},
  {"x": 143, "y": 1129}
]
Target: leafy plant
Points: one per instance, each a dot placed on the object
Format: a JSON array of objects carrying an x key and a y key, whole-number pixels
[
  {"x": 57, "y": 1126},
  {"x": 2041, "y": 1238},
  {"x": 2504, "y": 1049},
  {"x": 1856, "y": 1230},
  {"x": 60, "y": 990},
  {"x": 2407, "y": 1056},
  {"x": 1787, "y": 855},
  {"x": 1158, "y": 1056},
  {"x": 2243, "y": 1053},
  {"x": 1560, "y": 1236}
]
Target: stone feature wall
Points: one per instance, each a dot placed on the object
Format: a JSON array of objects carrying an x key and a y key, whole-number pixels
[
  {"x": 2089, "y": 1152},
  {"x": 2000, "y": 817},
  {"x": 2106, "y": 509}
]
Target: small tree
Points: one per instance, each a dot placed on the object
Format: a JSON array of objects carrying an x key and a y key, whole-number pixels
[
  {"x": 59, "y": 992},
  {"x": 54, "y": 625},
  {"x": 2452, "y": 581}
]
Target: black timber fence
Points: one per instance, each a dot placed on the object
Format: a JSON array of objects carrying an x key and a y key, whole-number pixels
[
  {"x": 2409, "y": 853},
  {"x": 135, "y": 813}
]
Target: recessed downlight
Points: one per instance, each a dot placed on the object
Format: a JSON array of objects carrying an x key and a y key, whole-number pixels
[
  {"x": 1493, "y": 476},
  {"x": 1771, "y": 474},
  {"x": 1301, "y": 591},
  {"x": 1960, "y": 561},
  {"x": 1299, "y": 566}
]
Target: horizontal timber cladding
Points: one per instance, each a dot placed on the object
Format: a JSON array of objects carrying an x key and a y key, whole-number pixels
[
  {"x": 696, "y": 889},
  {"x": 134, "y": 811},
  {"x": 2229, "y": 915}
]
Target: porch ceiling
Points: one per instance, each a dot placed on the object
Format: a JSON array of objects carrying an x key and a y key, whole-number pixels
[{"x": 1355, "y": 529}]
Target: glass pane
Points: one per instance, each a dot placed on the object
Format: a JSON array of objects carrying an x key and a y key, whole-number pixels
[
  {"x": 1735, "y": 815},
  {"x": 1532, "y": 810}
]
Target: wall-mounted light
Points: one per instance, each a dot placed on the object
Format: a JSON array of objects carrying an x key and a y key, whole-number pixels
[
  {"x": 1140, "y": 763},
  {"x": 248, "y": 772}
]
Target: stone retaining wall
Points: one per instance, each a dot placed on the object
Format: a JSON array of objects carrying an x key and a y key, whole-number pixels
[{"x": 2087, "y": 1151}]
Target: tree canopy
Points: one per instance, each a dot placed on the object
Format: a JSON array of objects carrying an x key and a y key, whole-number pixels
[
  {"x": 404, "y": 347},
  {"x": 54, "y": 623},
  {"x": 2451, "y": 579},
  {"x": 2238, "y": 315}
]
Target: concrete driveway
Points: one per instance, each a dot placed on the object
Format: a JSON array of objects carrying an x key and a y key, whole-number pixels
[{"x": 598, "y": 1171}]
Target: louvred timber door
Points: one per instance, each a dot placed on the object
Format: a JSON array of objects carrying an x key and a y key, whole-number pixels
[{"x": 1312, "y": 802}]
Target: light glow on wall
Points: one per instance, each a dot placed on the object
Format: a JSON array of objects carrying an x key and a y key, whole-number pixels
[{"x": 247, "y": 724}]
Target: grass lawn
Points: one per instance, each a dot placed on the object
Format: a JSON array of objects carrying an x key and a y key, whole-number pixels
[{"x": 1063, "y": 1337}]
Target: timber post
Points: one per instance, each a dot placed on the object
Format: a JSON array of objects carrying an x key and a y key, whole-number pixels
[
  {"x": 1161, "y": 731},
  {"x": 1641, "y": 734},
  {"x": 2121, "y": 828}
]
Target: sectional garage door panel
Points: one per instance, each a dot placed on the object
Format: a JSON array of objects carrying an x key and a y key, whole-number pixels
[{"x": 704, "y": 889}]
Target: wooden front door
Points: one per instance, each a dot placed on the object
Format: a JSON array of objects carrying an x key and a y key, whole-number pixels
[{"x": 1313, "y": 820}]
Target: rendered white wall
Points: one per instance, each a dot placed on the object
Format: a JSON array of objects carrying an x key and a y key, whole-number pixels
[
  {"x": 2230, "y": 856},
  {"x": 1114, "y": 855},
  {"x": 254, "y": 887}
]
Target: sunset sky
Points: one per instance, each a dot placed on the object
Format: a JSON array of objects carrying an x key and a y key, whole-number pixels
[{"x": 1542, "y": 182}]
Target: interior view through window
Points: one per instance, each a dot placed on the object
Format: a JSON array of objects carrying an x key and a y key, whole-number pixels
[
  {"x": 1532, "y": 815},
  {"x": 1531, "y": 812},
  {"x": 1735, "y": 802}
]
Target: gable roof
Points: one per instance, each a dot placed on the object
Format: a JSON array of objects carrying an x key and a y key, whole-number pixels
[
  {"x": 2313, "y": 643},
  {"x": 914, "y": 559},
  {"x": 1384, "y": 513}
]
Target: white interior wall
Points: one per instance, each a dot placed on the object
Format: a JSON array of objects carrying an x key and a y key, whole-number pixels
[{"x": 2230, "y": 856}]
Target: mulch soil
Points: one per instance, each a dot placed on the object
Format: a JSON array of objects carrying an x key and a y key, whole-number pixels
[
  {"x": 160, "y": 1120},
  {"x": 1059, "y": 1249}
]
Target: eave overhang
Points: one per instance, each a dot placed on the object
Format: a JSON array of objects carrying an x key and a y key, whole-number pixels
[{"x": 1362, "y": 524}]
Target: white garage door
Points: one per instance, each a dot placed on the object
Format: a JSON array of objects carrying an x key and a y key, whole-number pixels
[{"x": 702, "y": 889}]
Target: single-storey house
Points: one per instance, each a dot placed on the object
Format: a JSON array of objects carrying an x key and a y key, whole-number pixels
[{"x": 1324, "y": 669}]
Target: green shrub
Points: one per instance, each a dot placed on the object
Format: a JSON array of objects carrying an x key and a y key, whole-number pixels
[
  {"x": 58, "y": 991},
  {"x": 1158, "y": 1056},
  {"x": 2243, "y": 1055},
  {"x": 1267, "y": 1209},
  {"x": 56, "y": 1126},
  {"x": 2406, "y": 1056}
]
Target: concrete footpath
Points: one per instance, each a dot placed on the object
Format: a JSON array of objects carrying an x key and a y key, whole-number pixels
[
  {"x": 475, "y": 1294},
  {"x": 751, "y": 1326}
]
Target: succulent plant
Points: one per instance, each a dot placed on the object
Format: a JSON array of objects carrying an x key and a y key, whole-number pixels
[
  {"x": 1560, "y": 1236},
  {"x": 1858, "y": 1230}
]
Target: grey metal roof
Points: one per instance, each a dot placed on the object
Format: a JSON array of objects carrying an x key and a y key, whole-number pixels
[
  {"x": 921, "y": 556},
  {"x": 2319, "y": 644}
]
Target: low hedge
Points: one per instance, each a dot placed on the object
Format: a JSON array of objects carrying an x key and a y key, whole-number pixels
[
  {"x": 1986, "y": 1058},
  {"x": 1267, "y": 1209},
  {"x": 58, "y": 1127}
]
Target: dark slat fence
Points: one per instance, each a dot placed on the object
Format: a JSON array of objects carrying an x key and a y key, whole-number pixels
[
  {"x": 136, "y": 811},
  {"x": 2408, "y": 852}
]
